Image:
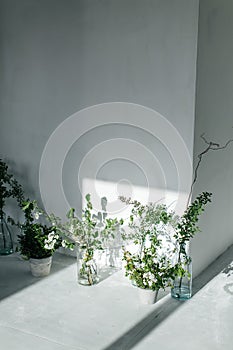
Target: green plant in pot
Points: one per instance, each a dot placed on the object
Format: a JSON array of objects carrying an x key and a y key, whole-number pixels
[
  {"x": 149, "y": 260},
  {"x": 9, "y": 188},
  {"x": 186, "y": 229},
  {"x": 90, "y": 233},
  {"x": 37, "y": 241}
]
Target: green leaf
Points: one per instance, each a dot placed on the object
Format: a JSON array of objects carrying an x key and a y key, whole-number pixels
[
  {"x": 88, "y": 197},
  {"x": 70, "y": 213}
]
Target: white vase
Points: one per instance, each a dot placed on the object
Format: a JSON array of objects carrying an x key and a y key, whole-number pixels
[
  {"x": 40, "y": 267},
  {"x": 148, "y": 296}
]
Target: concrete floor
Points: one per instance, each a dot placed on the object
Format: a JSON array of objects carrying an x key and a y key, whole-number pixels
[{"x": 55, "y": 313}]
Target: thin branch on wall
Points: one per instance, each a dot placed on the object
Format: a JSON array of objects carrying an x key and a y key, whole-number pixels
[{"x": 211, "y": 146}]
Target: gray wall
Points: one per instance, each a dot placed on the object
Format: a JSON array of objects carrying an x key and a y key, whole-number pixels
[
  {"x": 60, "y": 56},
  {"x": 214, "y": 116}
]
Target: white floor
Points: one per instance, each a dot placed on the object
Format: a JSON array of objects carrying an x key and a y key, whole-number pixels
[{"x": 55, "y": 313}]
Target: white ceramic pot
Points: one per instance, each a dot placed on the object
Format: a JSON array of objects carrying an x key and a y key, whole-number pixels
[
  {"x": 40, "y": 267},
  {"x": 148, "y": 296}
]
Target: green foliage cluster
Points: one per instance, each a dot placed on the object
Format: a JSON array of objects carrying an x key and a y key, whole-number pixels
[
  {"x": 161, "y": 236},
  {"x": 9, "y": 188},
  {"x": 187, "y": 227},
  {"x": 148, "y": 220},
  {"x": 91, "y": 231},
  {"x": 151, "y": 267},
  {"x": 147, "y": 271}
]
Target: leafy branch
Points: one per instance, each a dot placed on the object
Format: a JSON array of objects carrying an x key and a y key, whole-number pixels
[
  {"x": 9, "y": 187},
  {"x": 187, "y": 227}
]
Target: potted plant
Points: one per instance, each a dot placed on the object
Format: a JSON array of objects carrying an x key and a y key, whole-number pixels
[
  {"x": 37, "y": 241},
  {"x": 186, "y": 229},
  {"x": 9, "y": 188},
  {"x": 150, "y": 266},
  {"x": 90, "y": 233}
]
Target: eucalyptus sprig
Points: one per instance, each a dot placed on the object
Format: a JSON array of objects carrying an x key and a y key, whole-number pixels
[{"x": 91, "y": 231}]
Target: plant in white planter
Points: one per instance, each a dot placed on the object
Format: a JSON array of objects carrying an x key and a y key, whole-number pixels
[
  {"x": 90, "y": 233},
  {"x": 151, "y": 267},
  {"x": 37, "y": 241}
]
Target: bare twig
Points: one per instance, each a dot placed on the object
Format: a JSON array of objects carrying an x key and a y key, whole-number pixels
[{"x": 213, "y": 146}]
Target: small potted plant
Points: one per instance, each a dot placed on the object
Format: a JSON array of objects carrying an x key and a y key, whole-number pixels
[
  {"x": 151, "y": 267},
  {"x": 9, "y": 188},
  {"x": 37, "y": 241},
  {"x": 186, "y": 229},
  {"x": 90, "y": 233}
]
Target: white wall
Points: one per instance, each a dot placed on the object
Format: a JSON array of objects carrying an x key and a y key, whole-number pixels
[
  {"x": 214, "y": 116},
  {"x": 59, "y": 56}
]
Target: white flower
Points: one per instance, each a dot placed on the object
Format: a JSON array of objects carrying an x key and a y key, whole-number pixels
[
  {"x": 146, "y": 275},
  {"x": 48, "y": 244},
  {"x": 150, "y": 283},
  {"x": 36, "y": 215},
  {"x": 51, "y": 235},
  {"x": 63, "y": 243}
]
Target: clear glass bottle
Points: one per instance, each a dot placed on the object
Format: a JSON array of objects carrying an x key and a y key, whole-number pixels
[
  {"x": 6, "y": 242},
  {"x": 182, "y": 284},
  {"x": 87, "y": 272}
]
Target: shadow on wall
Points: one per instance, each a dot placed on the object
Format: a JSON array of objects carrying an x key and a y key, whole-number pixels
[{"x": 175, "y": 200}]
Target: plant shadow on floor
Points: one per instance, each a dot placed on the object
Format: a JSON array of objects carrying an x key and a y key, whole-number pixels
[
  {"x": 106, "y": 272},
  {"x": 15, "y": 274},
  {"x": 166, "y": 306},
  {"x": 229, "y": 269},
  {"x": 229, "y": 272}
]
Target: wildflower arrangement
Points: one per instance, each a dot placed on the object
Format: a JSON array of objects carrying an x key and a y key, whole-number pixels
[
  {"x": 152, "y": 232},
  {"x": 89, "y": 233},
  {"x": 37, "y": 239}
]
